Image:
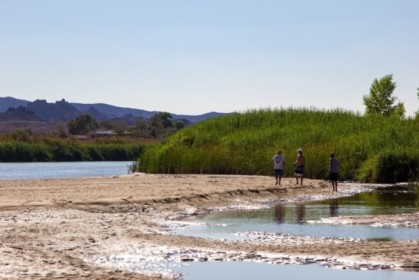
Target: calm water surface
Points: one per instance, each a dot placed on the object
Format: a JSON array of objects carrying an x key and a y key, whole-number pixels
[
  {"x": 300, "y": 219},
  {"x": 45, "y": 170},
  {"x": 247, "y": 271},
  {"x": 305, "y": 219}
]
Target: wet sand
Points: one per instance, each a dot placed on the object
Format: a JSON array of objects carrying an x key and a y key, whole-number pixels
[{"x": 119, "y": 227}]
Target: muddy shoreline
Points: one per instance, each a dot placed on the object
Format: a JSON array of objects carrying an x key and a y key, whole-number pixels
[{"x": 119, "y": 227}]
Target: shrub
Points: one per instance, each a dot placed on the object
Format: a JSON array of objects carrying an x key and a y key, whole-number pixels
[{"x": 390, "y": 167}]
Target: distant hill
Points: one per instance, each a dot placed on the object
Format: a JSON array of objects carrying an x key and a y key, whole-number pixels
[
  {"x": 110, "y": 111},
  {"x": 63, "y": 111},
  {"x": 197, "y": 118},
  {"x": 23, "y": 118},
  {"x": 58, "y": 111},
  {"x": 10, "y": 102},
  {"x": 20, "y": 113}
]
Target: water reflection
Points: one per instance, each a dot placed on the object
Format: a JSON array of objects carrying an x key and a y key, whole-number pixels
[
  {"x": 279, "y": 211},
  {"x": 386, "y": 201},
  {"x": 306, "y": 219},
  {"x": 334, "y": 206},
  {"x": 300, "y": 210}
]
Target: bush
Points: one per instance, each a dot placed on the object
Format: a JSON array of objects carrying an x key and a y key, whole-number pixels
[{"x": 390, "y": 168}]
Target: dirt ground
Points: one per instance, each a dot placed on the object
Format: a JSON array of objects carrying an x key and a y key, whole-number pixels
[{"x": 119, "y": 227}]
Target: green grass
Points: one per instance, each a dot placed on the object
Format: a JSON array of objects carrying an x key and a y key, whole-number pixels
[{"x": 244, "y": 143}]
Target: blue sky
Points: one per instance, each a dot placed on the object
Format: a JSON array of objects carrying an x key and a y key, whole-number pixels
[{"x": 193, "y": 57}]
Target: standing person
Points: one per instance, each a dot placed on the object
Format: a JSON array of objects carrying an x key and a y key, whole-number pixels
[
  {"x": 278, "y": 161},
  {"x": 334, "y": 171},
  {"x": 299, "y": 166}
]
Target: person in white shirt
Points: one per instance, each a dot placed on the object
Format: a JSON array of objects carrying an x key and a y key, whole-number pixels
[{"x": 278, "y": 161}]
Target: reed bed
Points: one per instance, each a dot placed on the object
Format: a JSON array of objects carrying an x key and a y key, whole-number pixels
[
  {"x": 56, "y": 150},
  {"x": 244, "y": 143}
]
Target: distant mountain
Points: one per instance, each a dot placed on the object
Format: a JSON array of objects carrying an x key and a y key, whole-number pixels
[
  {"x": 10, "y": 102},
  {"x": 197, "y": 118},
  {"x": 96, "y": 114},
  {"x": 58, "y": 111},
  {"x": 111, "y": 111},
  {"x": 20, "y": 113},
  {"x": 63, "y": 111}
]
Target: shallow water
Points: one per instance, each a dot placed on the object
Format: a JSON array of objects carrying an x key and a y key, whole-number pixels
[
  {"x": 302, "y": 219},
  {"x": 47, "y": 170},
  {"x": 243, "y": 271},
  {"x": 306, "y": 219}
]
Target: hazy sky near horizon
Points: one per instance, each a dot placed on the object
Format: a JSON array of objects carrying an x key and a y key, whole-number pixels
[{"x": 192, "y": 57}]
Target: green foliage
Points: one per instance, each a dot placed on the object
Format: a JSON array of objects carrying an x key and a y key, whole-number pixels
[
  {"x": 381, "y": 101},
  {"x": 23, "y": 152},
  {"x": 391, "y": 167},
  {"x": 417, "y": 112},
  {"x": 82, "y": 125},
  {"x": 160, "y": 126},
  {"x": 244, "y": 143},
  {"x": 60, "y": 150},
  {"x": 163, "y": 119}
]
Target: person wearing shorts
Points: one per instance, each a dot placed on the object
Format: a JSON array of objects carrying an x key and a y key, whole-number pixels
[
  {"x": 334, "y": 171},
  {"x": 299, "y": 167},
  {"x": 278, "y": 161}
]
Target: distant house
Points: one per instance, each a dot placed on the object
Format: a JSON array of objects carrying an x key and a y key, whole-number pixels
[
  {"x": 102, "y": 133},
  {"x": 81, "y": 137}
]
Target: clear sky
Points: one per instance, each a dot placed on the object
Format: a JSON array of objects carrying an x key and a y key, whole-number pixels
[{"x": 196, "y": 56}]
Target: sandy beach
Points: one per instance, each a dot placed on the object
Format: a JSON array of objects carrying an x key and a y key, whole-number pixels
[{"x": 119, "y": 227}]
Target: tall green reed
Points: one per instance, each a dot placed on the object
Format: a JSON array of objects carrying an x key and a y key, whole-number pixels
[{"x": 244, "y": 143}]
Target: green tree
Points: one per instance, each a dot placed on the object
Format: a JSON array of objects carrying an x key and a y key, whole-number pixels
[
  {"x": 161, "y": 125},
  {"x": 417, "y": 112},
  {"x": 82, "y": 124},
  {"x": 162, "y": 119},
  {"x": 120, "y": 127},
  {"x": 381, "y": 101},
  {"x": 179, "y": 125}
]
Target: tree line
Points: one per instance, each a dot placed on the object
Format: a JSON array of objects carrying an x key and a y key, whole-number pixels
[
  {"x": 158, "y": 126},
  {"x": 57, "y": 150}
]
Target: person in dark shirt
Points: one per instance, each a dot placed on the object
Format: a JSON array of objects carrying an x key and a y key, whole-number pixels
[{"x": 334, "y": 171}]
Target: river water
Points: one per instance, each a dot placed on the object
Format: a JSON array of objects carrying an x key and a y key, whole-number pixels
[
  {"x": 304, "y": 219},
  {"x": 261, "y": 271},
  {"x": 312, "y": 218},
  {"x": 47, "y": 170}
]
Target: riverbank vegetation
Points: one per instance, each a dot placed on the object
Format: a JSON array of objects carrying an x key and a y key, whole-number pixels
[
  {"x": 21, "y": 147},
  {"x": 88, "y": 140},
  {"x": 370, "y": 148}
]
